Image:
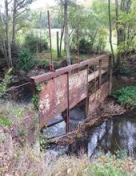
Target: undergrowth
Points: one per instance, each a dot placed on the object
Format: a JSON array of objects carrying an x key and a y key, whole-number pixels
[{"x": 127, "y": 96}]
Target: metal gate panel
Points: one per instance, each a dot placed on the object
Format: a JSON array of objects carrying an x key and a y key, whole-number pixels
[
  {"x": 98, "y": 97},
  {"x": 77, "y": 87},
  {"x": 53, "y": 98}
]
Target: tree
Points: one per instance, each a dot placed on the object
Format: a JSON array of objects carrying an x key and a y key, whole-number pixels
[
  {"x": 8, "y": 46},
  {"x": 110, "y": 30},
  {"x": 19, "y": 7},
  {"x": 65, "y": 4},
  {"x": 123, "y": 27},
  {"x": 66, "y": 32}
]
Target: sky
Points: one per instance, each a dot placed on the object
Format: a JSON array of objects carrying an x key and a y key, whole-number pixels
[{"x": 44, "y": 3}]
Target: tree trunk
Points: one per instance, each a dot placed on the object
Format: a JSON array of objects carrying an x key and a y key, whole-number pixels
[
  {"x": 110, "y": 31},
  {"x": 125, "y": 6},
  {"x": 118, "y": 32},
  {"x": 66, "y": 32},
  {"x": 61, "y": 38},
  {"x": 14, "y": 23},
  {"x": 2, "y": 42},
  {"x": 7, "y": 35}
]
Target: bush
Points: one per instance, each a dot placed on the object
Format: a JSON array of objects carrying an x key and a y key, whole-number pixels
[
  {"x": 100, "y": 44},
  {"x": 127, "y": 71},
  {"x": 87, "y": 47},
  {"x": 127, "y": 96},
  {"x": 35, "y": 44},
  {"x": 84, "y": 46},
  {"x": 4, "y": 84},
  {"x": 26, "y": 61}
]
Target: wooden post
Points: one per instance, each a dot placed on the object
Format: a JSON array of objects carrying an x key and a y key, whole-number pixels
[
  {"x": 100, "y": 70},
  {"x": 58, "y": 52},
  {"x": 110, "y": 75}
]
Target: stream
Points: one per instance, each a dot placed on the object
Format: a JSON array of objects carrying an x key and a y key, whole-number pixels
[{"x": 110, "y": 136}]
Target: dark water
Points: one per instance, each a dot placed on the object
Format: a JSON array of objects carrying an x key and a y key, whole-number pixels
[{"x": 112, "y": 135}]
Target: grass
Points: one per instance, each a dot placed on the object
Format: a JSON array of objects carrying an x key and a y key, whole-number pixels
[
  {"x": 27, "y": 163},
  {"x": 26, "y": 160}
]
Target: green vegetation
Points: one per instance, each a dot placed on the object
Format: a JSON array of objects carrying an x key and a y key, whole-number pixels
[
  {"x": 26, "y": 61},
  {"x": 35, "y": 44},
  {"x": 4, "y": 121},
  {"x": 4, "y": 84},
  {"x": 127, "y": 96},
  {"x": 35, "y": 99}
]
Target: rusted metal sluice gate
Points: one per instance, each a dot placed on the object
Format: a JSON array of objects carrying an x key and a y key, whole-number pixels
[{"x": 64, "y": 88}]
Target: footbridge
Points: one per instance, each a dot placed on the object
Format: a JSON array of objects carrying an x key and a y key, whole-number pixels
[{"x": 88, "y": 82}]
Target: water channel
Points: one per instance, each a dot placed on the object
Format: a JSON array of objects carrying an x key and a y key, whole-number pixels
[{"x": 110, "y": 136}]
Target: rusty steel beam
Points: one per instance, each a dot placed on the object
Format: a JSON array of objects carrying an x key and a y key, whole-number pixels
[
  {"x": 100, "y": 75},
  {"x": 46, "y": 76},
  {"x": 49, "y": 26},
  {"x": 68, "y": 106},
  {"x": 87, "y": 94},
  {"x": 110, "y": 75}
]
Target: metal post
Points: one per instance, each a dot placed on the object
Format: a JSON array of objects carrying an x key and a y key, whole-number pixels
[
  {"x": 87, "y": 96},
  {"x": 78, "y": 55},
  {"x": 51, "y": 60},
  {"x": 110, "y": 75},
  {"x": 100, "y": 70},
  {"x": 67, "y": 117},
  {"x": 58, "y": 52}
]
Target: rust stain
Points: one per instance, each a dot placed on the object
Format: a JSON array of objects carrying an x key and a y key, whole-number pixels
[
  {"x": 97, "y": 98},
  {"x": 53, "y": 98},
  {"x": 77, "y": 87}
]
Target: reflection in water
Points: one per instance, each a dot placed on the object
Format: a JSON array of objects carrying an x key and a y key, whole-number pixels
[{"x": 119, "y": 133}]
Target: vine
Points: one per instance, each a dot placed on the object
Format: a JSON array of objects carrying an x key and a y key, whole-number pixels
[{"x": 36, "y": 97}]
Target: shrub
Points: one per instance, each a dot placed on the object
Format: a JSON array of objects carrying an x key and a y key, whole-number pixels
[
  {"x": 127, "y": 96},
  {"x": 35, "y": 43},
  {"x": 26, "y": 61},
  {"x": 127, "y": 71},
  {"x": 4, "y": 84},
  {"x": 84, "y": 46}
]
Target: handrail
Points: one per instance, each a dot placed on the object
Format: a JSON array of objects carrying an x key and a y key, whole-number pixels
[{"x": 67, "y": 69}]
